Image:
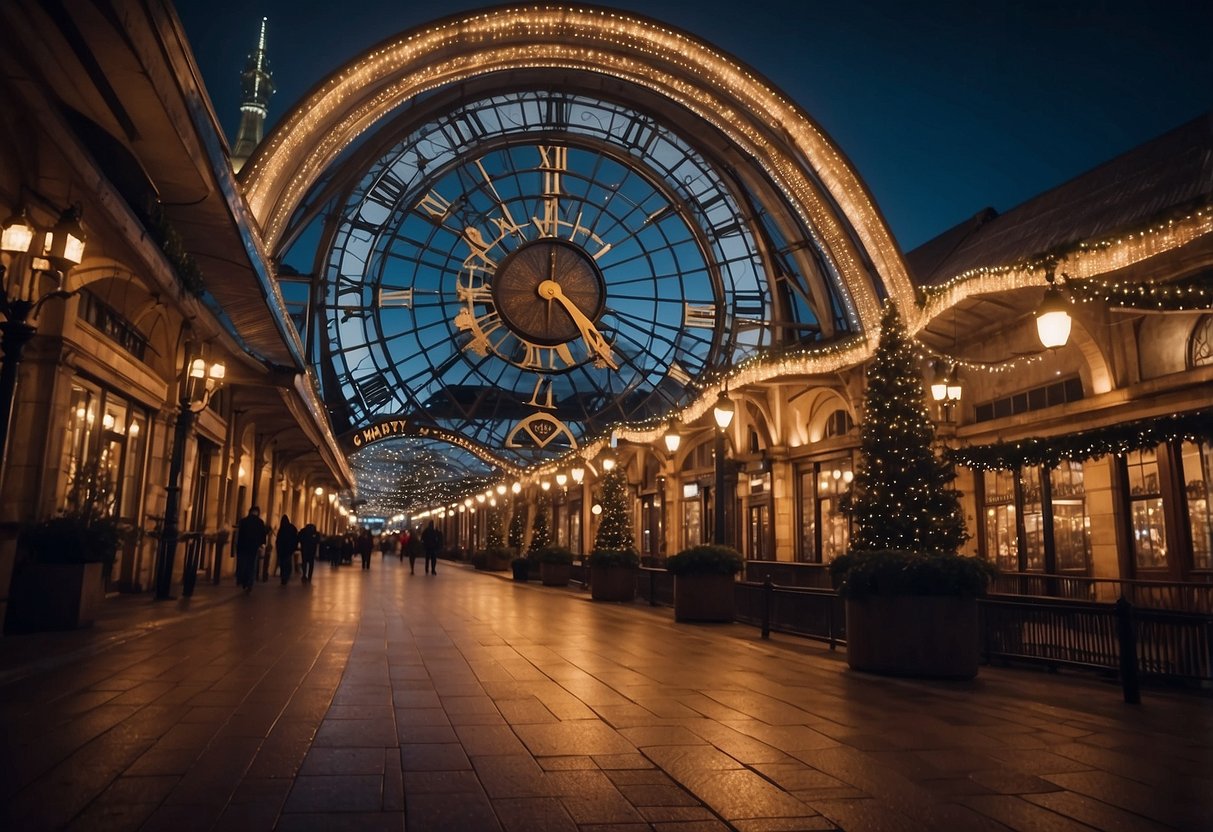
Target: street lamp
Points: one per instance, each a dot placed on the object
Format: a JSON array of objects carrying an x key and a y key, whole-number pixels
[
  {"x": 577, "y": 472},
  {"x": 200, "y": 383},
  {"x": 35, "y": 258},
  {"x": 672, "y": 438},
  {"x": 1053, "y": 316},
  {"x": 608, "y": 461},
  {"x": 723, "y": 411}
]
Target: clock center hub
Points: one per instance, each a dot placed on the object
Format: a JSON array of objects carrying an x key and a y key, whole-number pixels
[{"x": 542, "y": 287}]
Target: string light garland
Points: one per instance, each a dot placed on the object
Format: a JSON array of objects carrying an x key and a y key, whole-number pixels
[
  {"x": 1080, "y": 261},
  {"x": 1124, "y": 438},
  {"x": 1190, "y": 295}
]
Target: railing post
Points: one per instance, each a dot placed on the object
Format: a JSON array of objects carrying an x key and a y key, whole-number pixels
[
  {"x": 1127, "y": 639},
  {"x": 652, "y": 587},
  {"x": 768, "y": 593}
]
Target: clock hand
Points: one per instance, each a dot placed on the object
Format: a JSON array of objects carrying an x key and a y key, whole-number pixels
[{"x": 598, "y": 345}]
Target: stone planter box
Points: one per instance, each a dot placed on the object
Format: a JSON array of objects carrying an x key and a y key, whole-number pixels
[
  {"x": 555, "y": 574},
  {"x": 53, "y": 596},
  {"x": 704, "y": 598},
  {"x": 929, "y": 636},
  {"x": 612, "y": 583}
]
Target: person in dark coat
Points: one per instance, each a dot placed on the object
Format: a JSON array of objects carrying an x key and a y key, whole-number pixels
[
  {"x": 365, "y": 546},
  {"x": 431, "y": 540},
  {"x": 250, "y": 540},
  {"x": 285, "y": 545},
  {"x": 309, "y": 542}
]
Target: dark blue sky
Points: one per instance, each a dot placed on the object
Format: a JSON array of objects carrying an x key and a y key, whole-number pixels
[{"x": 943, "y": 108}]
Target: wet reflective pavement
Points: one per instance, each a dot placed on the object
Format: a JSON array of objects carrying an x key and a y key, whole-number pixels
[{"x": 463, "y": 701}]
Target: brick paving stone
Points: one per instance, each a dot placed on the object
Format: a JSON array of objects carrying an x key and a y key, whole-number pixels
[
  {"x": 383, "y": 702},
  {"x": 535, "y": 814},
  {"x": 1094, "y": 813}
]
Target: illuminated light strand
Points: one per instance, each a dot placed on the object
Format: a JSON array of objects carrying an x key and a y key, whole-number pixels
[
  {"x": 926, "y": 354},
  {"x": 606, "y": 32},
  {"x": 1192, "y": 295},
  {"x": 1085, "y": 261},
  {"x": 1196, "y": 426}
]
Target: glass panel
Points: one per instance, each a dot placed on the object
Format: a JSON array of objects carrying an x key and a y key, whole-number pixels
[
  {"x": 1033, "y": 519},
  {"x": 1198, "y": 471},
  {"x": 562, "y": 529},
  {"x": 136, "y": 441},
  {"x": 1001, "y": 539},
  {"x": 833, "y": 485},
  {"x": 575, "y": 529},
  {"x": 82, "y": 421},
  {"x": 760, "y": 529},
  {"x": 1145, "y": 510},
  {"x": 692, "y": 522},
  {"x": 1071, "y": 525},
  {"x": 807, "y": 549}
]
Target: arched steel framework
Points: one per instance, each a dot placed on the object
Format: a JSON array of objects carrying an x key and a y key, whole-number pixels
[{"x": 740, "y": 193}]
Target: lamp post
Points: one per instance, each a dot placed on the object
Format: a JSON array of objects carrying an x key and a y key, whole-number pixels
[
  {"x": 199, "y": 385},
  {"x": 946, "y": 388},
  {"x": 34, "y": 257},
  {"x": 723, "y": 412}
]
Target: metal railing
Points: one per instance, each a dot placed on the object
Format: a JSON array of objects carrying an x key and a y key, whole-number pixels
[
  {"x": 1120, "y": 637},
  {"x": 1185, "y": 596},
  {"x": 818, "y": 614}
]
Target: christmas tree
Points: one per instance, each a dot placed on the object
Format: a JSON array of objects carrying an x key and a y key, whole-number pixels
[
  {"x": 903, "y": 495},
  {"x": 615, "y": 526},
  {"x": 494, "y": 536},
  {"x": 541, "y": 529},
  {"x": 518, "y": 526}
]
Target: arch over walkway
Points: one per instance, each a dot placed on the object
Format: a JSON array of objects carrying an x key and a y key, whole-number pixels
[{"x": 804, "y": 164}]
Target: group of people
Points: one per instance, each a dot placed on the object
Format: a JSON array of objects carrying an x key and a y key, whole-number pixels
[{"x": 252, "y": 538}]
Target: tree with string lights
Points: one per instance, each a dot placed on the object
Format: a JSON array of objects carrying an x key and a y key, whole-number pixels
[
  {"x": 517, "y": 526},
  {"x": 494, "y": 533},
  {"x": 911, "y": 598},
  {"x": 903, "y": 497},
  {"x": 541, "y": 529},
  {"x": 615, "y": 526}
]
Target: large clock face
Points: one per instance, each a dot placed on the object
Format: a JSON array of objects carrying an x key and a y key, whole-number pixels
[{"x": 500, "y": 263}]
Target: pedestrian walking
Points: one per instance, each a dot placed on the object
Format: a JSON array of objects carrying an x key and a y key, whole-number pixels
[
  {"x": 414, "y": 547},
  {"x": 365, "y": 545},
  {"x": 431, "y": 540},
  {"x": 285, "y": 544},
  {"x": 250, "y": 544},
  {"x": 309, "y": 542}
]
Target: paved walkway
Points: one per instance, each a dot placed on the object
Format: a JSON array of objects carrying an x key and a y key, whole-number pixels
[{"x": 383, "y": 700}]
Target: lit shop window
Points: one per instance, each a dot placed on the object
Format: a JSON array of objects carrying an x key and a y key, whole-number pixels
[
  {"x": 1197, "y": 475},
  {"x": 1002, "y": 545},
  {"x": 1145, "y": 510},
  {"x": 1071, "y": 525}
]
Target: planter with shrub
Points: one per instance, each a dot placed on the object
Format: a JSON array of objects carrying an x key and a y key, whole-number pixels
[
  {"x": 704, "y": 583},
  {"x": 911, "y": 603},
  {"x": 555, "y": 566},
  {"x": 521, "y": 568}
]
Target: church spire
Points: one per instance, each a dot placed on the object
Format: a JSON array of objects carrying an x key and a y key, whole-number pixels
[{"x": 256, "y": 85}]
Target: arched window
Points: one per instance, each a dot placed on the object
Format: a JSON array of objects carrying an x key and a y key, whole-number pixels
[
  {"x": 1200, "y": 348},
  {"x": 840, "y": 423}
]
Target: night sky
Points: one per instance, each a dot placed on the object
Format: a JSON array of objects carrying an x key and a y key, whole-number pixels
[{"x": 944, "y": 108}]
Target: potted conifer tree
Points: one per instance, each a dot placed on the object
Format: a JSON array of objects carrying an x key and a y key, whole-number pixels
[
  {"x": 613, "y": 560},
  {"x": 910, "y": 597},
  {"x": 541, "y": 534}
]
